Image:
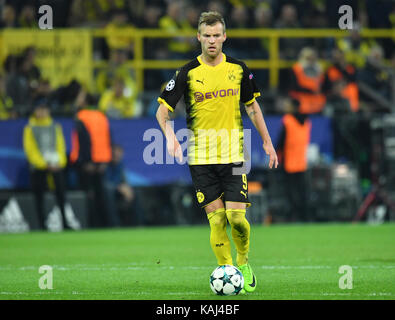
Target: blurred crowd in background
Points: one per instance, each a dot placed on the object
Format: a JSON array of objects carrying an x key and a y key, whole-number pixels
[
  {"x": 239, "y": 13},
  {"x": 346, "y": 79},
  {"x": 371, "y": 60}
]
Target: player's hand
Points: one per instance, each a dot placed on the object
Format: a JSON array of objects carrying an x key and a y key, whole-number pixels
[
  {"x": 271, "y": 152},
  {"x": 174, "y": 149}
]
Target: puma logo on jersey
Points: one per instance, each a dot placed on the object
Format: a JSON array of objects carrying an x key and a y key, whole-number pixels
[{"x": 201, "y": 81}]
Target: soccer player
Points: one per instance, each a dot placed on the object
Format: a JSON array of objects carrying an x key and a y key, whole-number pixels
[{"x": 213, "y": 85}]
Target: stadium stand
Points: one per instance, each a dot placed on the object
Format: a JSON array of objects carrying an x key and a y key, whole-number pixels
[{"x": 122, "y": 52}]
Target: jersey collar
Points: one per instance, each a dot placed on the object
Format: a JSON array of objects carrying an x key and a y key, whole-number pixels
[{"x": 219, "y": 64}]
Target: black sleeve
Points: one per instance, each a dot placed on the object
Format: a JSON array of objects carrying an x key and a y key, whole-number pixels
[
  {"x": 249, "y": 89},
  {"x": 174, "y": 89}
]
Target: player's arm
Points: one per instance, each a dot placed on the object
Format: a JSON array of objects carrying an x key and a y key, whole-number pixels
[
  {"x": 255, "y": 114},
  {"x": 167, "y": 102},
  {"x": 173, "y": 146}
]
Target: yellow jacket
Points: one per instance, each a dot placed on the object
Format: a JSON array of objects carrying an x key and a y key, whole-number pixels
[
  {"x": 117, "y": 107},
  {"x": 34, "y": 150},
  {"x": 119, "y": 37},
  {"x": 178, "y": 45}
]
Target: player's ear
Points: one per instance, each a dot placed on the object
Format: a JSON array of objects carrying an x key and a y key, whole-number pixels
[{"x": 224, "y": 36}]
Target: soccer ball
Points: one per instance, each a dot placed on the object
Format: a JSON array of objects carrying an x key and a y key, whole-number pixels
[{"x": 226, "y": 280}]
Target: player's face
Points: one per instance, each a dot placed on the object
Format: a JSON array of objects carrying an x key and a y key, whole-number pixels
[{"x": 211, "y": 39}]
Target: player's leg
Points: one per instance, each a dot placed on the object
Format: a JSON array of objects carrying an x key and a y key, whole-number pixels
[
  {"x": 236, "y": 202},
  {"x": 209, "y": 197},
  {"x": 219, "y": 239},
  {"x": 236, "y": 215}
]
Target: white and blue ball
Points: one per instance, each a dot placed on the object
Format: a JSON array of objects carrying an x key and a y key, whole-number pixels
[{"x": 226, "y": 280}]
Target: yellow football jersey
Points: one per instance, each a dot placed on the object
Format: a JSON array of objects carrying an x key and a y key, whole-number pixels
[{"x": 212, "y": 97}]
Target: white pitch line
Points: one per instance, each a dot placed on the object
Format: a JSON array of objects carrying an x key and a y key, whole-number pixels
[
  {"x": 326, "y": 267},
  {"x": 156, "y": 266}
]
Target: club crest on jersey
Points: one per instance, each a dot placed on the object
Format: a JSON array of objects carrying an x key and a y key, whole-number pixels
[
  {"x": 170, "y": 85},
  {"x": 200, "y": 196},
  {"x": 200, "y": 96}
]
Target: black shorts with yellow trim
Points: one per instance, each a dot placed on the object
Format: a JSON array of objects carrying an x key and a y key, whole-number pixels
[{"x": 219, "y": 181}]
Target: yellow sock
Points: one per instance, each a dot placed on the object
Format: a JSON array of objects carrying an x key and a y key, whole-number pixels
[
  {"x": 240, "y": 233},
  {"x": 218, "y": 237}
]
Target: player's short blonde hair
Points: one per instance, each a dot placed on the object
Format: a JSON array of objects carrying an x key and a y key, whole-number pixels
[{"x": 210, "y": 18}]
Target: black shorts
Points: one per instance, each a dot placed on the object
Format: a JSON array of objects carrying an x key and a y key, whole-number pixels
[{"x": 214, "y": 181}]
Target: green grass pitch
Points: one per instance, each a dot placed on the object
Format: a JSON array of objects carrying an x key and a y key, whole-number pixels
[{"x": 174, "y": 263}]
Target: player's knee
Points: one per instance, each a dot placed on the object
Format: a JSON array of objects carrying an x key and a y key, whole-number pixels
[
  {"x": 218, "y": 223},
  {"x": 217, "y": 219},
  {"x": 216, "y": 205},
  {"x": 235, "y": 218}
]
